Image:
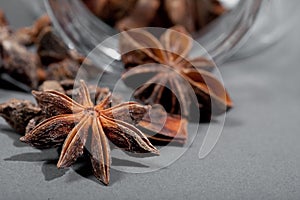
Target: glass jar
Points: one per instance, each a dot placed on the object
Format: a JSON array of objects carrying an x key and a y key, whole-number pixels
[{"x": 222, "y": 38}]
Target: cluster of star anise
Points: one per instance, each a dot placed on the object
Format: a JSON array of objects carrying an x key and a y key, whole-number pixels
[
  {"x": 123, "y": 15},
  {"x": 160, "y": 71},
  {"x": 31, "y": 55},
  {"x": 58, "y": 120}
]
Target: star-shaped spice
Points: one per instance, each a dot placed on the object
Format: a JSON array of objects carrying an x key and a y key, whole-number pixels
[
  {"x": 73, "y": 122},
  {"x": 162, "y": 73}
]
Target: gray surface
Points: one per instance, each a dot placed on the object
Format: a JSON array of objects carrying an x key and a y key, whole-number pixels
[{"x": 257, "y": 156}]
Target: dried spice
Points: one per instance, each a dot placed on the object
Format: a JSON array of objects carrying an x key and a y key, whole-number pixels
[
  {"x": 192, "y": 14},
  {"x": 76, "y": 121},
  {"x": 96, "y": 93},
  {"x": 26, "y": 35},
  {"x": 65, "y": 69},
  {"x": 39, "y": 25},
  {"x": 62, "y": 63},
  {"x": 51, "y": 85},
  {"x": 111, "y": 10},
  {"x": 19, "y": 63},
  {"x": 50, "y": 48},
  {"x": 70, "y": 88},
  {"x": 67, "y": 84},
  {"x": 26, "y": 68},
  {"x": 161, "y": 127},
  {"x": 18, "y": 113},
  {"x": 34, "y": 122},
  {"x": 23, "y": 36},
  {"x": 141, "y": 15},
  {"x": 169, "y": 67},
  {"x": 179, "y": 12},
  {"x": 23, "y": 114}
]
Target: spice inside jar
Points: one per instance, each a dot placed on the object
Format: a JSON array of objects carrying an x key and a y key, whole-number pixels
[{"x": 124, "y": 15}]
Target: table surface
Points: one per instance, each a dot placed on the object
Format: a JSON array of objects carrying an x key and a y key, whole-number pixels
[{"x": 257, "y": 156}]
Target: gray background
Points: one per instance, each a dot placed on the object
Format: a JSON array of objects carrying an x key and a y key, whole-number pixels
[{"x": 257, "y": 156}]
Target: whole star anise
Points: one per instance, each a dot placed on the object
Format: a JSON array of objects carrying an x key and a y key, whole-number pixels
[
  {"x": 73, "y": 122},
  {"x": 162, "y": 73}
]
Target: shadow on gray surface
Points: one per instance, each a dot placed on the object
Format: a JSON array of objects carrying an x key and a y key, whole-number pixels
[
  {"x": 84, "y": 169},
  {"x": 82, "y": 166},
  {"x": 50, "y": 170},
  {"x": 127, "y": 163},
  {"x": 6, "y": 130},
  {"x": 44, "y": 155},
  {"x": 50, "y": 156}
]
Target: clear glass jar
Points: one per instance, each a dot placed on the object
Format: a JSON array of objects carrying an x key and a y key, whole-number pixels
[{"x": 222, "y": 38}]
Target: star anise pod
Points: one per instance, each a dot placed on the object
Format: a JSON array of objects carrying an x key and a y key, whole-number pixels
[
  {"x": 74, "y": 122},
  {"x": 65, "y": 69},
  {"x": 39, "y": 25},
  {"x": 163, "y": 128},
  {"x": 18, "y": 113},
  {"x": 50, "y": 47},
  {"x": 180, "y": 13},
  {"x": 159, "y": 65},
  {"x": 111, "y": 10},
  {"x": 141, "y": 15},
  {"x": 70, "y": 88},
  {"x": 51, "y": 85},
  {"x": 28, "y": 35},
  {"x": 25, "y": 35},
  {"x": 18, "y": 62}
]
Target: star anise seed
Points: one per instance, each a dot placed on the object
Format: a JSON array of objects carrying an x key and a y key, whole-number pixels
[
  {"x": 75, "y": 121},
  {"x": 159, "y": 65}
]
